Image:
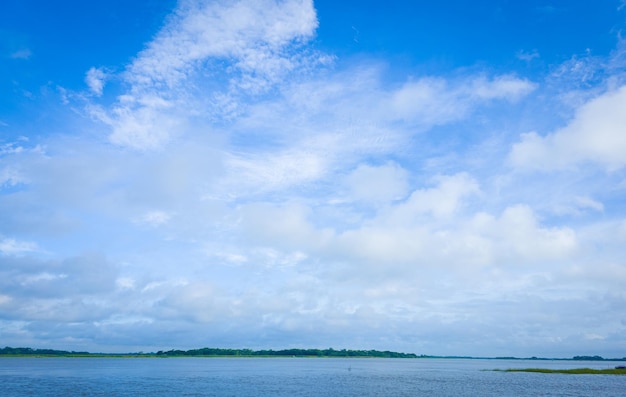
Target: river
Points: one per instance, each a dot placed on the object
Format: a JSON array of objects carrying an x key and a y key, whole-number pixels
[{"x": 298, "y": 377}]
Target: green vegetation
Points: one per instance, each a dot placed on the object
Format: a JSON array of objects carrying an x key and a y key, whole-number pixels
[
  {"x": 575, "y": 371},
  {"x": 588, "y": 358},
  {"x": 211, "y": 352},
  {"x": 27, "y": 351},
  {"x": 217, "y": 352},
  {"x": 214, "y": 352}
]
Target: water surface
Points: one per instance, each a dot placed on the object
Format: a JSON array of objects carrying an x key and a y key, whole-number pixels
[{"x": 297, "y": 377}]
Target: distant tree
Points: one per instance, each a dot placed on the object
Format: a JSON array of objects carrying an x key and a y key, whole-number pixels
[{"x": 588, "y": 358}]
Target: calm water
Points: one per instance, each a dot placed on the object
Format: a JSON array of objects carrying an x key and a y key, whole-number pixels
[{"x": 296, "y": 377}]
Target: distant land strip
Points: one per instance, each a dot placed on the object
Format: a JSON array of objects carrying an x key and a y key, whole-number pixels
[
  {"x": 220, "y": 352},
  {"x": 211, "y": 352},
  {"x": 574, "y": 371}
]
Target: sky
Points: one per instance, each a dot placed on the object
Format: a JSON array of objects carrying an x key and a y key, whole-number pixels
[{"x": 442, "y": 178}]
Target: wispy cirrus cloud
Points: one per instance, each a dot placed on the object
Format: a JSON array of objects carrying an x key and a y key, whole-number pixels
[
  {"x": 328, "y": 125},
  {"x": 254, "y": 35},
  {"x": 11, "y": 246},
  {"x": 242, "y": 56},
  {"x": 433, "y": 101},
  {"x": 244, "y": 47},
  {"x": 23, "y": 53}
]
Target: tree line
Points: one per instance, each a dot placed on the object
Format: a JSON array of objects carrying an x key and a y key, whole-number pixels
[
  {"x": 218, "y": 352},
  {"x": 27, "y": 351},
  {"x": 215, "y": 352},
  {"x": 285, "y": 353}
]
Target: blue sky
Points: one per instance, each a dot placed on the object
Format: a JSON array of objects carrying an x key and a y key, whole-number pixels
[{"x": 443, "y": 178}]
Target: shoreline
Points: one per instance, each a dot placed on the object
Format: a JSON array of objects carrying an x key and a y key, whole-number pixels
[{"x": 573, "y": 371}]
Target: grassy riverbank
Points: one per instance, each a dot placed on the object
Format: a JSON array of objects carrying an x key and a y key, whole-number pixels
[{"x": 575, "y": 371}]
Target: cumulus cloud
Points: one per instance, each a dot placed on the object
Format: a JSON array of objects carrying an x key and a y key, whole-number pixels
[
  {"x": 520, "y": 237},
  {"x": 416, "y": 231},
  {"x": 595, "y": 134},
  {"x": 441, "y": 201},
  {"x": 482, "y": 240}
]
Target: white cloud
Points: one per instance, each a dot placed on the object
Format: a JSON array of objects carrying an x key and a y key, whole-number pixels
[
  {"x": 154, "y": 218},
  {"x": 250, "y": 55},
  {"x": 10, "y": 246},
  {"x": 527, "y": 56},
  {"x": 24, "y": 53},
  {"x": 10, "y": 148},
  {"x": 144, "y": 126},
  {"x": 482, "y": 240},
  {"x": 378, "y": 184},
  {"x": 589, "y": 203},
  {"x": 273, "y": 171},
  {"x": 4, "y": 299},
  {"x": 95, "y": 79},
  {"x": 248, "y": 42},
  {"x": 504, "y": 87},
  {"x": 596, "y": 134},
  {"x": 125, "y": 283},
  {"x": 433, "y": 227},
  {"x": 442, "y": 201},
  {"x": 433, "y": 101},
  {"x": 578, "y": 205},
  {"x": 520, "y": 237},
  {"x": 324, "y": 130},
  {"x": 230, "y": 258},
  {"x": 10, "y": 177},
  {"x": 32, "y": 279},
  {"x": 254, "y": 33},
  {"x": 284, "y": 227}
]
